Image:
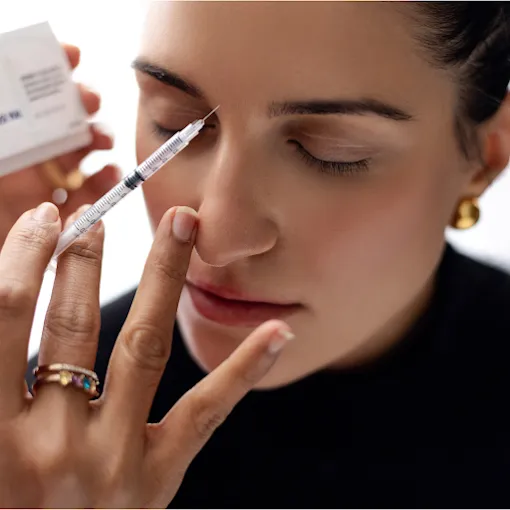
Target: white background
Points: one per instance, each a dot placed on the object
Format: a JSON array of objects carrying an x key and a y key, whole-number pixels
[{"x": 107, "y": 33}]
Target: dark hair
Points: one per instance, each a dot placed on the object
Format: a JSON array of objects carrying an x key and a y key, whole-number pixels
[{"x": 472, "y": 39}]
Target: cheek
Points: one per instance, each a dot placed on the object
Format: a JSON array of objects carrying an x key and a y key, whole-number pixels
[
  {"x": 379, "y": 232},
  {"x": 168, "y": 189}
]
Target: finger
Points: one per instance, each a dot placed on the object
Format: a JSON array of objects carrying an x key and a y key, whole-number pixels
[
  {"x": 93, "y": 188},
  {"x": 72, "y": 321},
  {"x": 100, "y": 141},
  {"x": 73, "y": 54},
  {"x": 176, "y": 440},
  {"x": 102, "y": 137},
  {"x": 55, "y": 176},
  {"x": 71, "y": 328},
  {"x": 23, "y": 260},
  {"x": 143, "y": 347},
  {"x": 91, "y": 100}
]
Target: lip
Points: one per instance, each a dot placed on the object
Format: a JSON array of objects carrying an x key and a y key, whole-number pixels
[{"x": 231, "y": 309}]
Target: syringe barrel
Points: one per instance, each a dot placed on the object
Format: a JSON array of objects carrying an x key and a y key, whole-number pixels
[
  {"x": 148, "y": 168},
  {"x": 166, "y": 152},
  {"x": 91, "y": 216},
  {"x": 94, "y": 213},
  {"x": 65, "y": 240},
  {"x": 191, "y": 130}
]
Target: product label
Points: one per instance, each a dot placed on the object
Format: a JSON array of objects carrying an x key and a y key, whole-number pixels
[{"x": 40, "y": 108}]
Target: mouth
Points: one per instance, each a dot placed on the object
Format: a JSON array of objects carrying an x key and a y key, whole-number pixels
[{"x": 224, "y": 307}]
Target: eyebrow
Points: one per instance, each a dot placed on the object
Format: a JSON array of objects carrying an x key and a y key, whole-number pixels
[
  {"x": 167, "y": 77},
  {"x": 317, "y": 107},
  {"x": 342, "y": 107}
]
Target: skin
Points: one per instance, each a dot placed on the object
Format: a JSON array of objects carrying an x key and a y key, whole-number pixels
[
  {"x": 104, "y": 454},
  {"x": 357, "y": 251}
]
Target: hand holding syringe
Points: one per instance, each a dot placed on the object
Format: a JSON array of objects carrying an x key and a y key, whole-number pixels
[{"x": 147, "y": 169}]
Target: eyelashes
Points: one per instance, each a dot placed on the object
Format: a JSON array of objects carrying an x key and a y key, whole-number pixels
[
  {"x": 331, "y": 167},
  {"x": 327, "y": 167},
  {"x": 162, "y": 132},
  {"x": 166, "y": 134}
]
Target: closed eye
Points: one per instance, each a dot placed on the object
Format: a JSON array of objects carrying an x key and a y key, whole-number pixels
[
  {"x": 331, "y": 167},
  {"x": 166, "y": 134}
]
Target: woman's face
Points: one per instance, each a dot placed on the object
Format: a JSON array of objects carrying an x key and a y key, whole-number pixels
[{"x": 323, "y": 183}]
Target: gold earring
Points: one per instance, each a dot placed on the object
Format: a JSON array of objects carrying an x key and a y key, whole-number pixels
[{"x": 467, "y": 214}]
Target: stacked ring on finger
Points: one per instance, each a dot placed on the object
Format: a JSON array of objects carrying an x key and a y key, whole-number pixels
[{"x": 67, "y": 375}]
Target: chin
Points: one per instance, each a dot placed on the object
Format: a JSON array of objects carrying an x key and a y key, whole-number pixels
[{"x": 209, "y": 344}]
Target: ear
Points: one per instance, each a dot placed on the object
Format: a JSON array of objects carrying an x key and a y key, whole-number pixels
[{"x": 495, "y": 150}]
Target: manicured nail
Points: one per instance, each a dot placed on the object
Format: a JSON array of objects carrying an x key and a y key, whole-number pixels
[
  {"x": 105, "y": 129},
  {"x": 91, "y": 89},
  {"x": 183, "y": 224},
  {"x": 280, "y": 339},
  {"x": 59, "y": 196},
  {"x": 46, "y": 212}
]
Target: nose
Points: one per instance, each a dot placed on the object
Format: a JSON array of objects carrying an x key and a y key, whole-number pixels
[{"x": 235, "y": 220}]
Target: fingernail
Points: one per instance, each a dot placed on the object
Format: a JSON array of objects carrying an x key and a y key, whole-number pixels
[
  {"x": 281, "y": 338},
  {"x": 59, "y": 196},
  {"x": 105, "y": 129},
  {"x": 46, "y": 212},
  {"x": 183, "y": 224},
  {"x": 91, "y": 88}
]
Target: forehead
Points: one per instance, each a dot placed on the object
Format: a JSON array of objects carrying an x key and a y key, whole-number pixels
[{"x": 292, "y": 50}]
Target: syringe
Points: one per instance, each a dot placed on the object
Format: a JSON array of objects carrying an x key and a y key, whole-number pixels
[{"x": 141, "y": 173}]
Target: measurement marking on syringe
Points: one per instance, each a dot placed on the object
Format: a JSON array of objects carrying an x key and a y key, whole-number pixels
[{"x": 145, "y": 170}]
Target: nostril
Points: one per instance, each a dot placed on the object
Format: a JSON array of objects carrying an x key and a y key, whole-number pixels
[{"x": 211, "y": 257}]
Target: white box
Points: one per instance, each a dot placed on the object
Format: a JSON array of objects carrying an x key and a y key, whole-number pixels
[{"x": 41, "y": 113}]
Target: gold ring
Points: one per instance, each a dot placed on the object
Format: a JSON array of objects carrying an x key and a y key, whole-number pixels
[
  {"x": 57, "y": 367},
  {"x": 59, "y": 178},
  {"x": 67, "y": 375},
  {"x": 67, "y": 379}
]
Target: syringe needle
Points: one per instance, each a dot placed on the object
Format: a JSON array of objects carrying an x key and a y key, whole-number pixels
[
  {"x": 140, "y": 174},
  {"x": 210, "y": 113}
]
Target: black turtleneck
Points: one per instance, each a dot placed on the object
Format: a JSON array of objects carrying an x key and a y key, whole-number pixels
[{"x": 426, "y": 425}]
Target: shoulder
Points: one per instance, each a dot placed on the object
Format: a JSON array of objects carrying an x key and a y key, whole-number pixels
[
  {"x": 473, "y": 302},
  {"x": 473, "y": 286}
]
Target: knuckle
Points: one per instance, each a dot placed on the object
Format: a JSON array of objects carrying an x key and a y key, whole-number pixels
[
  {"x": 147, "y": 345},
  {"x": 73, "y": 320},
  {"x": 52, "y": 461},
  {"x": 53, "y": 452},
  {"x": 207, "y": 414},
  {"x": 15, "y": 297},
  {"x": 86, "y": 250}
]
